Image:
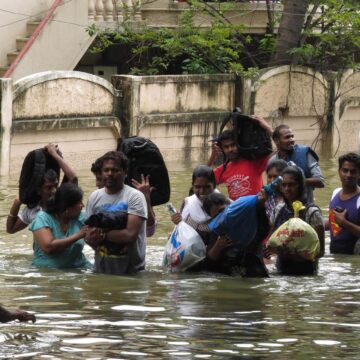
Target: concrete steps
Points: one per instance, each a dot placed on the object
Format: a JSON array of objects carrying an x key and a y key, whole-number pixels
[
  {"x": 19, "y": 45},
  {"x": 3, "y": 70},
  {"x": 20, "y": 42}
]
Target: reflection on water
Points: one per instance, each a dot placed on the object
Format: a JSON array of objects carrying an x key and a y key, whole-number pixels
[{"x": 158, "y": 315}]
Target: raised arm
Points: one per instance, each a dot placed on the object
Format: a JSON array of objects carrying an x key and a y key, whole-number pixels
[
  {"x": 13, "y": 222},
  {"x": 146, "y": 189},
  {"x": 263, "y": 123},
  {"x": 64, "y": 166},
  {"x": 215, "y": 152}
]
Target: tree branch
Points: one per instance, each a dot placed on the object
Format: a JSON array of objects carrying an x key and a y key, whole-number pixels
[{"x": 211, "y": 10}]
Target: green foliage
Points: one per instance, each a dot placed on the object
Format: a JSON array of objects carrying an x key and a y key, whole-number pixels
[
  {"x": 187, "y": 49},
  {"x": 333, "y": 40},
  {"x": 330, "y": 41},
  {"x": 267, "y": 44}
]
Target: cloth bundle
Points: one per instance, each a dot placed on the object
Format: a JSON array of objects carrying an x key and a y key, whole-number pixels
[{"x": 295, "y": 238}]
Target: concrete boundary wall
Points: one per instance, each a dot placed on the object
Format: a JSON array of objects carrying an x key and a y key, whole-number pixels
[
  {"x": 347, "y": 112},
  {"x": 296, "y": 96},
  {"x": 86, "y": 115},
  {"x": 180, "y": 113},
  {"x": 72, "y": 109}
]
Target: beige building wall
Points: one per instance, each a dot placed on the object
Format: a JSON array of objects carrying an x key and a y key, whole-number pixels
[{"x": 251, "y": 15}]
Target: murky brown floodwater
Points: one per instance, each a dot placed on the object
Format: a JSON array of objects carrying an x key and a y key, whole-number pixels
[{"x": 159, "y": 315}]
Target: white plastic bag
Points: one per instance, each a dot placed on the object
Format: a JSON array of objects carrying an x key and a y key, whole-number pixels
[{"x": 184, "y": 249}]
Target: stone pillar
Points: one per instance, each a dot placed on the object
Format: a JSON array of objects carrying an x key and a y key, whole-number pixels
[
  {"x": 6, "y": 123},
  {"x": 135, "y": 106},
  {"x": 245, "y": 96},
  {"x": 128, "y": 87}
]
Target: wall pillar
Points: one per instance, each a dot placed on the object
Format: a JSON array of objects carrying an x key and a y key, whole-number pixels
[
  {"x": 135, "y": 107},
  {"x": 6, "y": 123},
  {"x": 128, "y": 88}
]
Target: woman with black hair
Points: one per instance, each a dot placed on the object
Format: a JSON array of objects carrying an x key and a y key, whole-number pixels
[
  {"x": 294, "y": 189},
  {"x": 192, "y": 211},
  {"x": 59, "y": 231},
  {"x": 18, "y": 220}
]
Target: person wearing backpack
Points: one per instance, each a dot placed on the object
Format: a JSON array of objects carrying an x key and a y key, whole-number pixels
[
  {"x": 303, "y": 156},
  {"x": 241, "y": 176}
]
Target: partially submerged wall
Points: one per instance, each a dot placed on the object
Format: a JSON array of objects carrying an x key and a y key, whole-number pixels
[
  {"x": 347, "y": 112},
  {"x": 179, "y": 113},
  {"x": 74, "y": 110},
  {"x": 296, "y": 96}
]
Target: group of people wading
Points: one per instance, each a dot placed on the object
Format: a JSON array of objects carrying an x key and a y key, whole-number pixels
[{"x": 61, "y": 228}]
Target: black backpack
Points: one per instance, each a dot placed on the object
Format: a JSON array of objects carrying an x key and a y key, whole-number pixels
[
  {"x": 33, "y": 169},
  {"x": 253, "y": 141},
  {"x": 145, "y": 158}
]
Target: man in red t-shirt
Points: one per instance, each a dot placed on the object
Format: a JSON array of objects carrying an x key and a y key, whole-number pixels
[{"x": 241, "y": 176}]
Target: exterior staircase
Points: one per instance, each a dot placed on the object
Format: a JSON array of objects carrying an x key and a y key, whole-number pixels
[
  {"x": 47, "y": 35},
  {"x": 20, "y": 43}
]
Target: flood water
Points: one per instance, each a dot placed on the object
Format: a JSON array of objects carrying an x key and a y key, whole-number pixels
[{"x": 176, "y": 316}]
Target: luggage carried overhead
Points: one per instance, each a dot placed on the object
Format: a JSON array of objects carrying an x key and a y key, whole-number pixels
[
  {"x": 145, "y": 158},
  {"x": 33, "y": 169},
  {"x": 253, "y": 141}
]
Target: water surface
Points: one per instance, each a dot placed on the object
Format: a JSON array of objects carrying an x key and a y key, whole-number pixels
[{"x": 172, "y": 316}]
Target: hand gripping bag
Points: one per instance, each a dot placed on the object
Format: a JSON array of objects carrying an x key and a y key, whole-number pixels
[
  {"x": 184, "y": 249},
  {"x": 295, "y": 238},
  {"x": 239, "y": 222},
  {"x": 253, "y": 141},
  {"x": 33, "y": 169}
]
